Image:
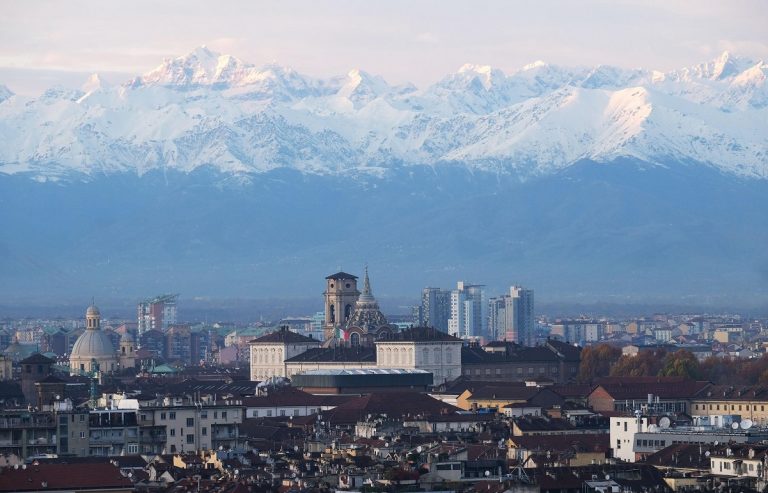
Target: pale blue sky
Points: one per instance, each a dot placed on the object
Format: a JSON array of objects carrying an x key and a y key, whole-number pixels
[{"x": 417, "y": 41}]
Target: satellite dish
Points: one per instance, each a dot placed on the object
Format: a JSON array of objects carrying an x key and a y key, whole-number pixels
[
  {"x": 419, "y": 449},
  {"x": 706, "y": 454},
  {"x": 716, "y": 443},
  {"x": 653, "y": 428},
  {"x": 664, "y": 423},
  {"x": 746, "y": 424},
  {"x": 734, "y": 425},
  {"x": 24, "y": 466}
]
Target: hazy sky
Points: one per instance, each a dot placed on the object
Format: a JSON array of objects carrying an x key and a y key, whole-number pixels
[{"x": 417, "y": 41}]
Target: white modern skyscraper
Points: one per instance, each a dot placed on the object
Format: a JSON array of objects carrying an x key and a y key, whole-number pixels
[
  {"x": 511, "y": 316},
  {"x": 469, "y": 309},
  {"x": 519, "y": 312}
]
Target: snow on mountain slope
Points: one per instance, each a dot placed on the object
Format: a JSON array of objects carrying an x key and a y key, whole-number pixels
[{"x": 206, "y": 109}]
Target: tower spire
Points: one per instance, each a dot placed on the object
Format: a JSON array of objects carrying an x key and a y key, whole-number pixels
[{"x": 367, "y": 283}]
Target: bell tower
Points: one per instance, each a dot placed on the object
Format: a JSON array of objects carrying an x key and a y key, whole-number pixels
[{"x": 340, "y": 297}]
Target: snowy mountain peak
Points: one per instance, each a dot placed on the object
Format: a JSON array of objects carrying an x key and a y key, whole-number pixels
[
  {"x": 534, "y": 65},
  {"x": 206, "y": 109},
  {"x": 201, "y": 66},
  {"x": 93, "y": 83},
  {"x": 5, "y": 93}
]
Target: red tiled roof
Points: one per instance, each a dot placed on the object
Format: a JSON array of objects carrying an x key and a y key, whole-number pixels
[{"x": 43, "y": 477}]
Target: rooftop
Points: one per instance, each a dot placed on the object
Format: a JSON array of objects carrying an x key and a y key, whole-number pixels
[
  {"x": 336, "y": 354},
  {"x": 421, "y": 334},
  {"x": 341, "y": 275},
  {"x": 283, "y": 335},
  {"x": 82, "y": 476}
]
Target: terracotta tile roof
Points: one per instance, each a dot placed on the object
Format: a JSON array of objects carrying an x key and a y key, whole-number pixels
[
  {"x": 586, "y": 442},
  {"x": 82, "y": 476}
]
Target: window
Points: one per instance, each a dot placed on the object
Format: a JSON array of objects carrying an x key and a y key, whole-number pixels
[
  {"x": 133, "y": 448},
  {"x": 223, "y": 414},
  {"x": 82, "y": 434},
  {"x": 204, "y": 431},
  {"x": 173, "y": 432},
  {"x": 530, "y": 370},
  {"x": 215, "y": 414},
  {"x": 82, "y": 418},
  {"x": 295, "y": 412},
  {"x": 172, "y": 415},
  {"x": 203, "y": 414},
  {"x": 190, "y": 421},
  {"x": 190, "y": 438},
  {"x": 269, "y": 413},
  {"x": 625, "y": 426},
  {"x": 162, "y": 416},
  {"x": 255, "y": 413},
  {"x": 282, "y": 412}
]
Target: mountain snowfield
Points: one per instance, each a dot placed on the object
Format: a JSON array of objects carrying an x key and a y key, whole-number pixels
[{"x": 210, "y": 110}]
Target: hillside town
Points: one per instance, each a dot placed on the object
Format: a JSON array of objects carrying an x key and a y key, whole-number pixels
[{"x": 468, "y": 393}]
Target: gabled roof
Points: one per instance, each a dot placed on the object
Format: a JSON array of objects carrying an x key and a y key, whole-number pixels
[
  {"x": 586, "y": 442},
  {"x": 37, "y": 359},
  {"x": 283, "y": 335},
  {"x": 393, "y": 404},
  {"x": 341, "y": 275}
]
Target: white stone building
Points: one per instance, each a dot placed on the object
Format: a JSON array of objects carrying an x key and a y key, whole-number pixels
[
  {"x": 423, "y": 349},
  {"x": 269, "y": 352}
]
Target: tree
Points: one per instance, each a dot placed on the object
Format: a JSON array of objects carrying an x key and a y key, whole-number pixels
[
  {"x": 596, "y": 362},
  {"x": 645, "y": 364},
  {"x": 681, "y": 363}
]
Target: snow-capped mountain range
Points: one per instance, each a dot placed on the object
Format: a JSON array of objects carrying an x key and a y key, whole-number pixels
[{"x": 210, "y": 110}]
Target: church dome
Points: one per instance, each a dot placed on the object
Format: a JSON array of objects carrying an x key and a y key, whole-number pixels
[
  {"x": 367, "y": 315},
  {"x": 92, "y": 311},
  {"x": 92, "y": 344},
  {"x": 127, "y": 337}
]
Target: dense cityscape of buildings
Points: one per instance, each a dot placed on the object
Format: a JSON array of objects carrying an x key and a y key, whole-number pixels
[{"x": 474, "y": 393}]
